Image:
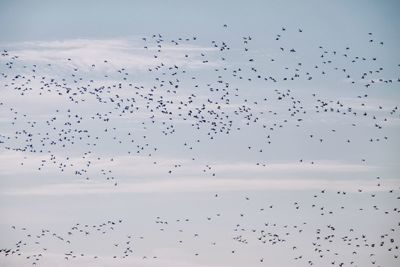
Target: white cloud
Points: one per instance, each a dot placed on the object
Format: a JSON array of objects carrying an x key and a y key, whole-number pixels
[
  {"x": 199, "y": 185},
  {"x": 144, "y": 166},
  {"x": 323, "y": 166},
  {"x": 120, "y": 53},
  {"x": 54, "y": 259}
]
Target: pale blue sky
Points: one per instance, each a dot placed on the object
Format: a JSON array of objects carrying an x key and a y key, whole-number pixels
[
  {"x": 54, "y": 20},
  {"x": 174, "y": 177}
]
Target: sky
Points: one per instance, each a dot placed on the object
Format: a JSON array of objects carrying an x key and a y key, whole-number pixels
[{"x": 199, "y": 133}]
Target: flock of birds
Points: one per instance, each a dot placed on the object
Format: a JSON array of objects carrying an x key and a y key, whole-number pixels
[
  {"x": 324, "y": 246},
  {"x": 215, "y": 100}
]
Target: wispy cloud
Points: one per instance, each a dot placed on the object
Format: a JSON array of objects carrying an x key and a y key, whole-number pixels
[
  {"x": 144, "y": 166},
  {"x": 199, "y": 185},
  {"x": 323, "y": 166},
  {"x": 119, "y": 53},
  {"x": 54, "y": 259}
]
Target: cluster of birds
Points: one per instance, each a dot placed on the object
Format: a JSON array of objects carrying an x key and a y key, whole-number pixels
[
  {"x": 214, "y": 105},
  {"x": 323, "y": 246},
  {"x": 43, "y": 234}
]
